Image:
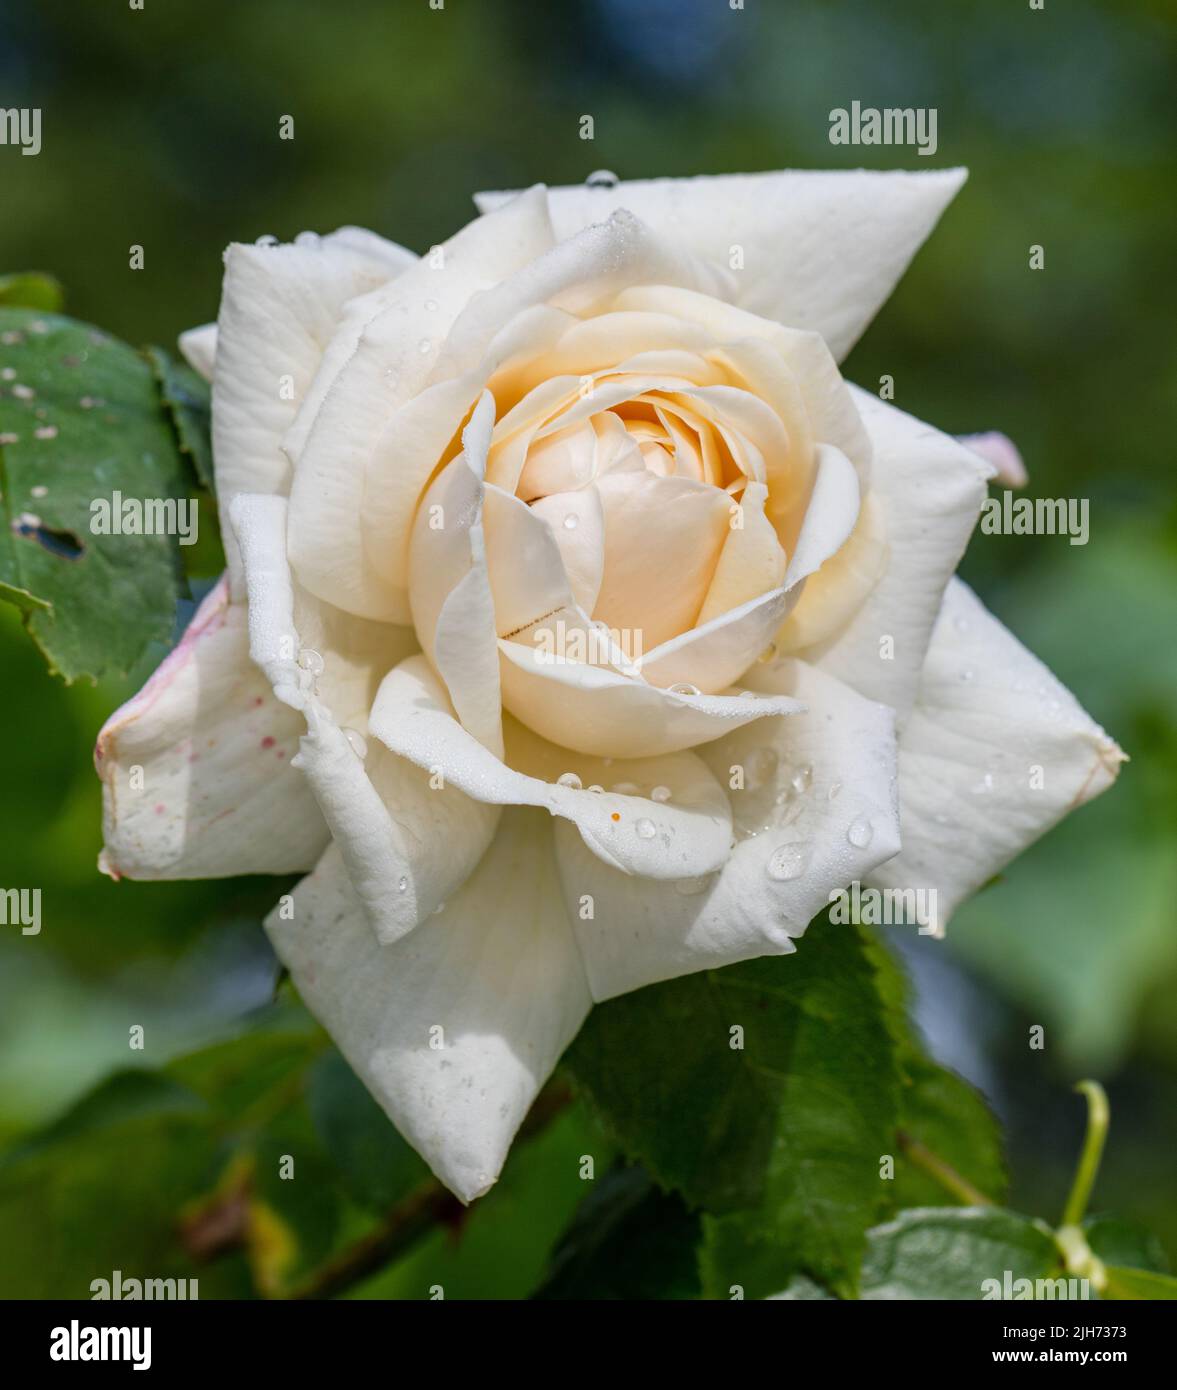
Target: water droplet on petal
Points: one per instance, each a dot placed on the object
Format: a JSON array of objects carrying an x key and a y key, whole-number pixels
[
  {"x": 861, "y": 832},
  {"x": 431, "y": 305},
  {"x": 267, "y": 239},
  {"x": 683, "y": 688},
  {"x": 571, "y": 521},
  {"x": 359, "y": 744},
  {"x": 596, "y": 787},
  {"x": 602, "y": 178},
  {"x": 660, "y": 794},
  {"x": 424, "y": 346},
  {"x": 402, "y": 884},
  {"x": 768, "y": 654},
  {"x": 967, "y": 674},
  {"x": 646, "y": 829},
  {"x": 801, "y": 780},
  {"x": 787, "y": 861},
  {"x": 311, "y": 661},
  {"x": 569, "y": 779}
]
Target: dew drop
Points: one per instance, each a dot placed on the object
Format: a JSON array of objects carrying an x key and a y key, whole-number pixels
[
  {"x": 801, "y": 780},
  {"x": 431, "y": 305},
  {"x": 571, "y": 521},
  {"x": 967, "y": 674},
  {"x": 861, "y": 832},
  {"x": 602, "y": 178},
  {"x": 311, "y": 661},
  {"x": 646, "y": 829},
  {"x": 768, "y": 654},
  {"x": 660, "y": 794},
  {"x": 569, "y": 779},
  {"x": 359, "y": 744},
  {"x": 787, "y": 861},
  {"x": 596, "y": 787},
  {"x": 402, "y": 885},
  {"x": 424, "y": 346},
  {"x": 267, "y": 239},
  {"x": 683, "y": 688}
]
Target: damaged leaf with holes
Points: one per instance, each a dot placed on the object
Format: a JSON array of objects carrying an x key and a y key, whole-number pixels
[{"x": 80, "y": 419}]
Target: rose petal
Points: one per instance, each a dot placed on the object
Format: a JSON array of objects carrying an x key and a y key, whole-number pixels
[
  {"x": 989, "y": 723},
  {"x": 820, "y": 250},
  {"x": 199, "y": 348},
  {"x": 641, "y": 931},
  {"x": 279, "y": 309},
  {"x": 688, "y": 833},
  {"x": 212, "y": 745},
  {"x": 663, "y": 539},
  {"x": 605, "y": 713},
  {"x": 929, "y": 490},
  {"x": 455, "y": 1028}
]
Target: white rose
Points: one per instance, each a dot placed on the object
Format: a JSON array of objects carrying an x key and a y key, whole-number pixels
[{"x": 514, "y": 527}]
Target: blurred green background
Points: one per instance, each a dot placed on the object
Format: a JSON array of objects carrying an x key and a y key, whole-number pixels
[{"x": 160, "y": 128}]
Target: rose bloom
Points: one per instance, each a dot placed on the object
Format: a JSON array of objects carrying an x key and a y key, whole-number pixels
[{"x": 582, "y": 626}]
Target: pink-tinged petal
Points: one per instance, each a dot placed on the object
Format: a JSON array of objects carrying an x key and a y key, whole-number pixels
[
  {"x": 196, "y": 774},
  {"x": 1001, "y": 453}
]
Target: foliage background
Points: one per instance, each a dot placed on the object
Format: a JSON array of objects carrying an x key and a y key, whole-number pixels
[{"x": 160, "y": 128}]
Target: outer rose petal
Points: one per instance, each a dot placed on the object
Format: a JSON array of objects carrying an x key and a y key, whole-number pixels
[
  {"x": 497, "y": 971},
  {"x": 820, "y": 250},
  {"x": 279, "y": 309},
  {"x": 929, "y": 490},
  {"x": 405, "y": 845},
  {"x": 219, "y": 796},
  {"x": 199, "y": 347},
  {"x": 988, "y": 713},
  {"x": 796, "y": 846}
]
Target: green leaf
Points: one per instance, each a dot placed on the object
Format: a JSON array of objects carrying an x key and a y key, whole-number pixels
[
  {"x": 948, "y": 1253},
  {"x": 1118, "y": 1242},
  {"x": 245, "y": 1077},
  {"x": 628, "y": 1240},
  {"x": 947, "y": 1116},
  {"x": 31, "y": 289},
  {"x": 1138, "y": 1283},
  {"x": 375, "y": 1164},
  {"x": 80, "y": 420},
  {"x": 780, "y": 1140},
  {"x": 937, "y": 1108},
  {"x": 186, "y": 395},
  {"x": 101, "y": 1188}
]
